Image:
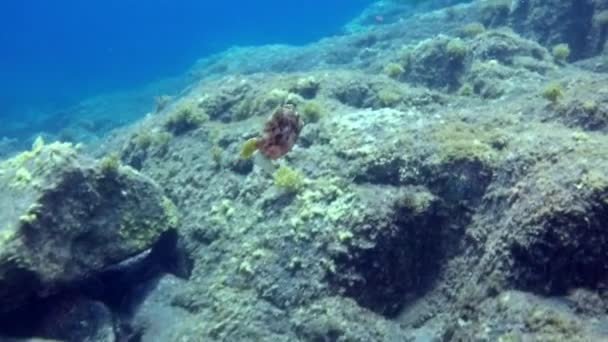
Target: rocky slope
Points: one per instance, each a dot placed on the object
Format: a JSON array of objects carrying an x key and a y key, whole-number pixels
[{"x": 448, "y": 184}]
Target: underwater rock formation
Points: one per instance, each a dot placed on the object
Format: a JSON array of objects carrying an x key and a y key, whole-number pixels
[
  {"x": 66, "y": 216},
  {"x": 394, "y": 255},
  {"x": 449, "y": 184},
  {"x": 553, "y": 22}
]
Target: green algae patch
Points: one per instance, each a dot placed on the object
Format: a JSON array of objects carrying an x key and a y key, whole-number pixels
[
  {"x": 27, "y": 169},
  {"x": 553, "y": 92},
  {"x": 288, "y": 179},
  {"x": 170, "y": 211},
  {"x": 248, "y": 148},
  {"x": 311, "y": 112},
  {"x": 25, "y": 175},
  {"x": 23, "y": 178},
  {"x": 186, "y": 116},
  {"x": 561, "y": 52},
  {"x": 458, "y": 141},
  {"x": 393, "y": 70},
  {"x": 550, "y": 325},
  {"x": 472, "y": 29}
]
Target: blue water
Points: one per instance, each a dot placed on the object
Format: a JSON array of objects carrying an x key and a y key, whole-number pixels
[{"x": 54, "y": 53}]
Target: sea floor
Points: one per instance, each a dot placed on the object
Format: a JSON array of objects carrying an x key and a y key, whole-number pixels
[{"x": 448, "y": 183}]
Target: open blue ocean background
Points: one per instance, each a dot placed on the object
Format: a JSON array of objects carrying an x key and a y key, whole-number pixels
[{"x": 56, "y": 53}]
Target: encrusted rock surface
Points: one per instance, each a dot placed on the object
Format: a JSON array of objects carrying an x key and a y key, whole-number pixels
[
  {"x": 65, "y": 217},
  {"x": 449, "y": 184}
]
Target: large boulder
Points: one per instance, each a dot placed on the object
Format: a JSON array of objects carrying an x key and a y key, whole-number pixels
[
  {"x": 65, "y": 216},
  {"x": 578, "y": 23}
]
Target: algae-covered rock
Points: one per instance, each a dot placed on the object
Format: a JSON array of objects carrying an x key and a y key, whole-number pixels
[
  {"x": 395, "y": 250},
  {"x": 505, "y": 46},
  {"x": 65, "y": 216},
  {"x": 560, "y": 231},
  {"x": 414, "y": 214},
  {"x": 556, "y": 21},
  {"x": 437, "y": 62}
]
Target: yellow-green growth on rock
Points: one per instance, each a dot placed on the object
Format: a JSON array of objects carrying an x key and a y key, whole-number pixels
[
  {"x": 23, "y": 178},
  {"x": 561, "y": 52},
  {"x": 155, "y": 137},
  {"x": 311, "y": 111},
  {"x": 393, "y": 70},
  {"x": 185, "y": 118},
  {"x": 466, "y": 90},
  {"x": 171, "y": 212},
  {"x": 553, "y": 92},
  {"x": 389, "y": 97},
  {"x": 405, "y": 56},
  {"x": 463, "y": 141},
  {"x": 473, "y": 29},
  {"x": 288, "y": 179},
  {"x": 248, "y": 148},
  {"x": 110, "y": 164},
  {"x": 456, "y": 49}
]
